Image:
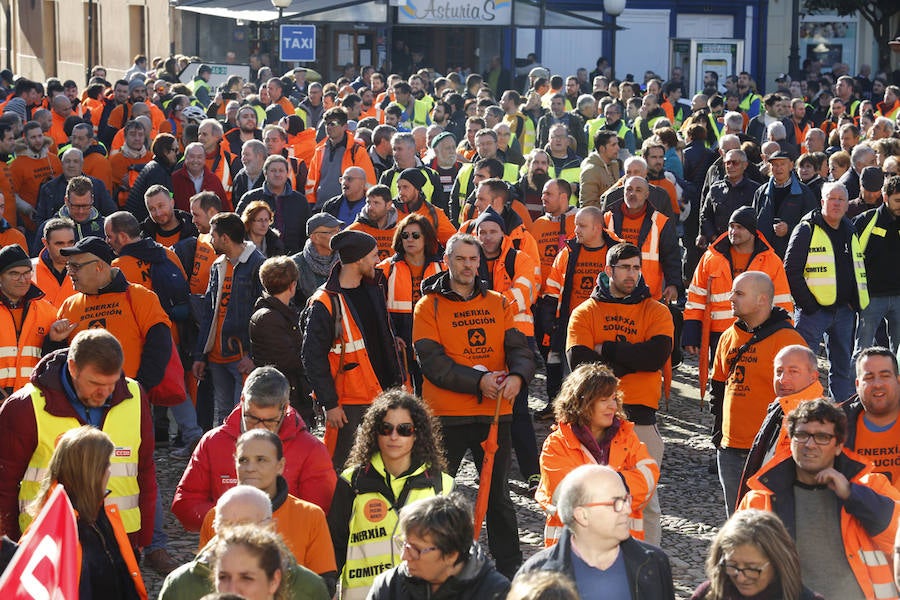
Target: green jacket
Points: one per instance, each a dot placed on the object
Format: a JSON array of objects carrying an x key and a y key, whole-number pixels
[{"x": 194, "y": 580}]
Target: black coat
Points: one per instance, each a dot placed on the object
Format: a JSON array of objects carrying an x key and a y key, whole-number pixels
[
  {"x": 153, "y": 173},
  {"x": 275, "y": 339}
]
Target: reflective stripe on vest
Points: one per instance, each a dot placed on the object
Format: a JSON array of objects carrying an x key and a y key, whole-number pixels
[
  {"x": 402, "y": 302},
  {"x": 20, "y": 353},
  {"x": 358, "y": 384},
  {"x": 373, "y": 523},
  {"x": 821, "y": 275},
  {"x": 122, "y": 424}
]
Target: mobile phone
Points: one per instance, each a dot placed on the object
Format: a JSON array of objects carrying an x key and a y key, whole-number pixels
[{"x": 230, "y": 95}]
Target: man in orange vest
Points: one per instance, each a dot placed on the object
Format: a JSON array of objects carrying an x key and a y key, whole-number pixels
[
  {"x": 50, "y": 272},
  {"x": 348, "y": 366},
  {"x": 841, "y": 514},
  {"x": 26, "y": 319}
]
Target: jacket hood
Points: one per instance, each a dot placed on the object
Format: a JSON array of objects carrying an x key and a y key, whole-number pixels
[
  {"x": 95, "y": 148},
  {"x": 475, "y": 568},
  {"x": 392, "y": 217},
  {"x": 439, "y": 283},
  {"x": 21, "y": 148},
  {"x": 601, "y": 292},
  {"x": 146, "y": 250},
  {"x": 778, "y": 314}
]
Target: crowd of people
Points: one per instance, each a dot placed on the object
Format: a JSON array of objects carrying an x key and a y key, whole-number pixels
[{"x": 388, "y": 259}]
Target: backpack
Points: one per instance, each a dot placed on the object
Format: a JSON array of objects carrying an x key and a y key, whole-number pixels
[{"x": 172, "y": 289}]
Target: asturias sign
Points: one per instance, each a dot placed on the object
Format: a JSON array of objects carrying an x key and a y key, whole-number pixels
[{"x": 458, "y": 12}]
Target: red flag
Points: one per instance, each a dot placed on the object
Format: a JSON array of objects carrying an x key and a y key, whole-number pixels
[{"x": 45, "y": 566}]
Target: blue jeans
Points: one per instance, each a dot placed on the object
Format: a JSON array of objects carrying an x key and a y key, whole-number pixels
[
  {"x": 186, "y": 416},
  {"x": 837, "y": 324},
  {"x": 731, "y": 467},
  {"x": 160, "y": 539},
  {"x": 870, "y": 319},
  {"x": 227, "y": 386}
]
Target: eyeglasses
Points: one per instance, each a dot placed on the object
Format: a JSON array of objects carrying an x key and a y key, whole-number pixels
[
  {"x": 348, "y": 178},
  {"x": 410, "y": 234},
  {"x": 820, "y": 438},
  {"x": 414, "y": 553},
  {"x": 618, "y": 504},
  {"x": 75, "y": 267},
  {"x": 252, "y": 421},
  {"x": 19, "y": 275},
  {"x": 747, "y": 572},
  {"x": 403, "y": 429},
  {"x": 80, "y": 206}
]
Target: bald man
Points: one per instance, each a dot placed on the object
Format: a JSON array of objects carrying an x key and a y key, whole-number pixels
[
  {"x": 240, "y": 505},
  {"x": 796, "y": 378},
  {"x": 741, "y": 386},
  {"x": 596, "y": 544}
]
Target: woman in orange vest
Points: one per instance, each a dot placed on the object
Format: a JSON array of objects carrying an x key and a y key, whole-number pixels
[
  {"x": 417, "y": 256},
  {"x": 593, "y": 429},
  {"x": 81, "y": 464}
]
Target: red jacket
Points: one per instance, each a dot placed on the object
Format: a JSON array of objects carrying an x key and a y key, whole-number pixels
[
  {"x": 183, "y": 189},
  {"x": 308, "y": 469},
  {"x": 19, "y": 441}
]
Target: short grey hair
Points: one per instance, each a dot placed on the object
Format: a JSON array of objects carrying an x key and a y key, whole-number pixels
[
  {"x": 266, "y": 387},
  {"x": 216, "y": 126},
  {"x": 257, "y": 147},
  {"x": 574, "y": 491},
  {"x": 734, "y": 120},
  {"x": 461, "y": 238},
  {"x": 834, "y": 185},
  {"x": 635, "y": 159},
  {"x": 860, "y": 153},
  {"x": 776, "y": 131}
]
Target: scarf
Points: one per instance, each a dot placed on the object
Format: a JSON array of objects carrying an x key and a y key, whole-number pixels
[
  {"x": 320, "y": 265},
  {"x": 599, "y": 449},
  {"x": 133, "y": 154}
]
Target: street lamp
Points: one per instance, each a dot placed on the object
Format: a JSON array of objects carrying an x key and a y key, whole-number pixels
[
  {"x": 613, "y": 8},
  {"x": 280, "y": 5}
]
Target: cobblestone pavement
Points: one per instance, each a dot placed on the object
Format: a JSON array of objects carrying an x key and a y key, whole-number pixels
[{"x": 690, "y": 496}]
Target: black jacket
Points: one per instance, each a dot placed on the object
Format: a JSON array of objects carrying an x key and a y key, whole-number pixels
[
  {"x": 154, "y": 172},
  {"x": 319, "y": 332},
  {"x": 478, "y": 579},
  {"x": 881, "y": 251},
  {"x": 186, "y": 228},
  {"x": 276, "y": 340},
  {"x": 649, "y": 573},
  {"x": 799, "y": 202},
  {"x": 290, "y": 216},
  {"x": 722, "y": 200},
  {"x": 798, "y": 253},
  {"x": 52, "y": 195}
]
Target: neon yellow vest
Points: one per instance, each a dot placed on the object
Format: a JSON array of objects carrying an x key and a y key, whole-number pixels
[
  {"x": 510, "y": 175},
  {"x": 122, "y": 424},
  {"x": 373, "y": 524},
  {"x": 821, "y": 275},
  {"x": 427, "y": 189}
]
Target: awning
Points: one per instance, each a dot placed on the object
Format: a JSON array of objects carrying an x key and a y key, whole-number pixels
[{"x": 247, "y": 10}]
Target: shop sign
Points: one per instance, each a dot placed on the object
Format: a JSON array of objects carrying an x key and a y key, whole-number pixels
[{"x": 455, "y": 12}]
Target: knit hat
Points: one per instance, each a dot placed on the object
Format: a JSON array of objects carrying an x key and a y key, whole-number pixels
[
  {"x": 489, "y": 214},
  {"x": 414, "y": 176},
  {"x": 18, "y": 107},
  {"x": 13, "y": 256},
  {"x": 135, "y": 83},
  {"x": 322, "y": 219},
  {"x": 871, "y": 179},
  {"x": 745, "y": 216},
  {"x": 352, "y": 245},
  {"x": 91, "y": 245},
  {"x": 441, "y": 137}
]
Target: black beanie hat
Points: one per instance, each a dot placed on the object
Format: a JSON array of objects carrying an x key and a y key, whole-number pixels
[
  {"x": 745, "y": 216},
  {"x": 352, "y": 245}
]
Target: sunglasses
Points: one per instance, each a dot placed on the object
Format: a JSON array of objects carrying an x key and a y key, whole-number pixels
[
  {"x": 410, "y": 234},
  {"x": 403, "y": 429}
]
